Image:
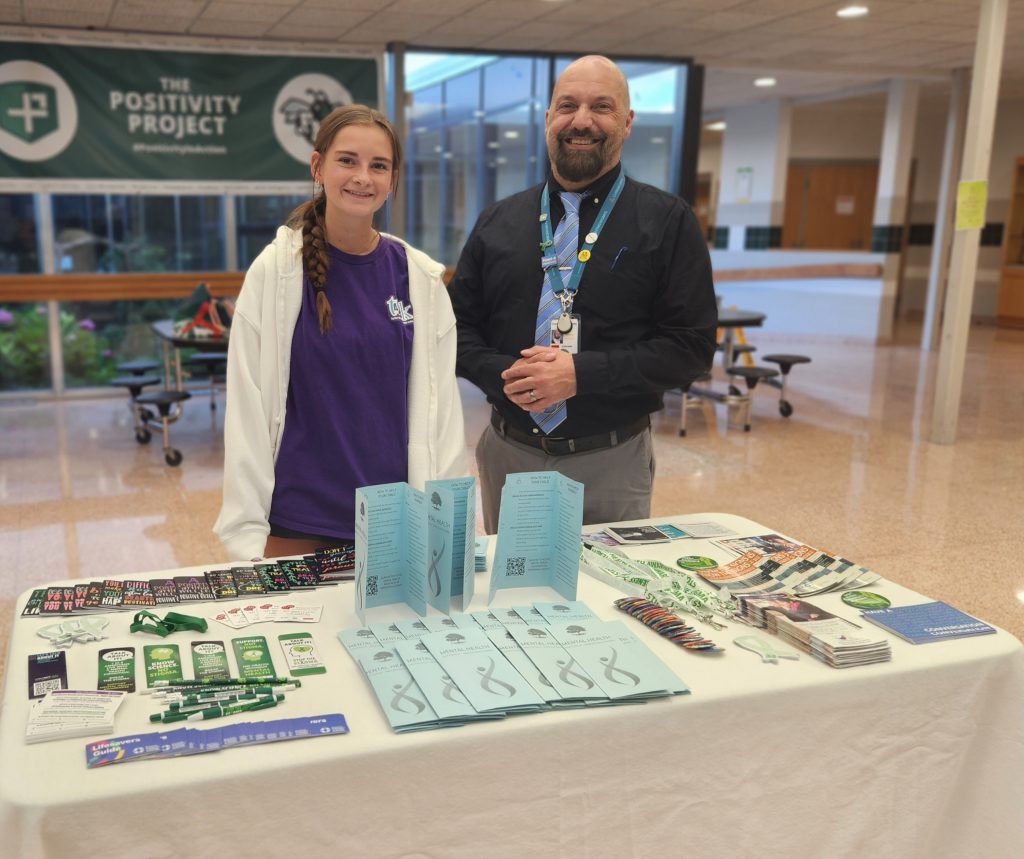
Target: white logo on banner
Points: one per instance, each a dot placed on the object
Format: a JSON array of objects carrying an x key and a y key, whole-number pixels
[
  {"x": 300, "y": 107},
  {"x": 38, "y": 113}
]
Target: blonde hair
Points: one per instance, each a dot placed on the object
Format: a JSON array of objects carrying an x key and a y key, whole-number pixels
[{"x": 309, "y": 216}]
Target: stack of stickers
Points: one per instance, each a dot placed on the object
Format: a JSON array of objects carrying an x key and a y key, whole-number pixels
[
  {"x": 327, "y": 567},
  {"x": 440, "y": 672},
  {"x": 833, "y": 640}
]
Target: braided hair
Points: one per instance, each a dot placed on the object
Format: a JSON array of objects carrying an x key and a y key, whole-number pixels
[{"x": 309, "y": 216}]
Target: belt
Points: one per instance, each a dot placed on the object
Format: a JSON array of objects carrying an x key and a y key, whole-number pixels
[{"x": 555, "y": 446}]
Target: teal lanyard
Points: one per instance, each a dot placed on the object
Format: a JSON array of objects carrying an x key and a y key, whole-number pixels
[{"x": 550, "y": 263}]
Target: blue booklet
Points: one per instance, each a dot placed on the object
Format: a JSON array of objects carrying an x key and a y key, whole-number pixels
[{"x": 930, "y": 621}]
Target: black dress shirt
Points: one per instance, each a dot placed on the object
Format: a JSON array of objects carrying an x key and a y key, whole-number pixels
[{"x": 646, "y": 303}]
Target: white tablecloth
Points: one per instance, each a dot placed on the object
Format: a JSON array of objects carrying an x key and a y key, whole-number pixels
[{"x": 923, "y": 756}]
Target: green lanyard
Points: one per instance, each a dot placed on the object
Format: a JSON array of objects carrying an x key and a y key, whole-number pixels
[{"x": 567, "y": 291}]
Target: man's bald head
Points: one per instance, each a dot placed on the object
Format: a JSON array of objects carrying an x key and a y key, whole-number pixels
[{"x": 588, "y": 121}]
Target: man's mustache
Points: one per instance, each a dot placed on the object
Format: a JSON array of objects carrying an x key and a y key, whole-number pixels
[{"x": 588, "y": 135}]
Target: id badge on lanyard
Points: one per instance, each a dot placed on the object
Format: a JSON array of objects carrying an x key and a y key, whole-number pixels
[{"x": 567, "y": 341}]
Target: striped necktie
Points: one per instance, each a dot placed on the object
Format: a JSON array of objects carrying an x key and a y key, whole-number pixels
[{"x": 566, "y": 240}]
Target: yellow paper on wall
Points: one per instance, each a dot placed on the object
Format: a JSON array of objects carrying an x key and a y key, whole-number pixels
[{"x": 971, "y": 198}]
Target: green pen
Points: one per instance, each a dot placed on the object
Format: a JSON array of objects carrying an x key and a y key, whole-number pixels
[
  {"x": 217, "y": 681},
  {"x": 194, "y": 703},
  {"x": 231, "y": 709},
  {"x": 168, "y": 717}
]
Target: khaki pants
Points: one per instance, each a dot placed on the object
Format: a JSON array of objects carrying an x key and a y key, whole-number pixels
[{"x": 617, "y": 481}]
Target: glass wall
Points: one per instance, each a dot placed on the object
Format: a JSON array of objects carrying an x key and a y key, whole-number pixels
[
  {"x": 475, "y": 127},
  {"x": 97, "y": 233},
  {"x": 476, "y": 135},
  {"x": 126, "y": 233},
  {"x": 257, "y": 220},
  {"x": 19, "y": 251}
]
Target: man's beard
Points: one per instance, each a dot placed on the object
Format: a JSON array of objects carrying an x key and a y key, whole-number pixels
[{"x": 579, "y": 166}]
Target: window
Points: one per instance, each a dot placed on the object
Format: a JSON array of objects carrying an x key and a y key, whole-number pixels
[{"x": 476, "y": 135}]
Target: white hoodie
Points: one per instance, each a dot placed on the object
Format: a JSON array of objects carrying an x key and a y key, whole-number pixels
[{"x": 259, "y": 356}]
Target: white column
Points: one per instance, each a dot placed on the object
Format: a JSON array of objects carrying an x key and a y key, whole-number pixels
[
  {"x": 891, "y": 196},
  {"x": 48, "y": 257},
  {"x": 396, "y": 212},
  {"x": 752, "y": 188},
  {"x": 963, "y": 266},
  {"x": 942, "y": 240}
]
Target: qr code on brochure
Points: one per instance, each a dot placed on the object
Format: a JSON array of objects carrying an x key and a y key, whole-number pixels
[
  {"x": 371, "y": 586},
  {"x": 516, "y": 566}
]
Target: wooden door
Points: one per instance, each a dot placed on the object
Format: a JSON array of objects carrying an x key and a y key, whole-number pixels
[{"x": 829, "y": 206}]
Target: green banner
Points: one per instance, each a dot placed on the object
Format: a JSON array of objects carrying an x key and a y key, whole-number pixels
[{"x": 91, "y": 113}]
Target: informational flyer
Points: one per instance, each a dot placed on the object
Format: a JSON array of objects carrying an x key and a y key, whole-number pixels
[
  {"x": 539, "y": 526},
  {"x": 415, "y": 547}
]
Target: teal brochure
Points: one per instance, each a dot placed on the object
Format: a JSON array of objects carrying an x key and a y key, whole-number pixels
[
  {"x": 565, "y": 612},
  {"x": 465, "y": 621},
  {"x": 570, "y": 681},
  {"x": 510, "y": 649},
  {"x": 359, "y": 640},
  {"x": 415, "y": 547},
  {"x": 451, "y": 514},
  {"x": 402, "y": 701},
  {"x": 538, "y": 541},
  {"x": 530, "y": 614},
  {"x": 438, "y": 688},
  {"x": 622, "y": 665},
  {"x": 485, "y": 677},
  {"x": 440, "y": 623},
  {"x": 387, "y": 633},
  {"x": 391, "y": 545},
  {"x": 486, "y": 620},
  {"x": 412, "y": 628},
  {"x": 509, "y": 617}
]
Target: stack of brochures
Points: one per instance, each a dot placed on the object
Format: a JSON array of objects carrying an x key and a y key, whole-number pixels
[
  {"x": 833, "y": 640},
  {"x": 441, "y": 672},
  {"x": 769, "y": 563},
  {"x": 63, "y": 713}
]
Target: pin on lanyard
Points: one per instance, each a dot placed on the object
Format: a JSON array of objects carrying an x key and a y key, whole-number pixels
[{"x": 567, "y": 291}]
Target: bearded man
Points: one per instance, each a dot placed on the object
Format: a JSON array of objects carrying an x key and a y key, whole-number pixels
[{"x": 579, "y": 303}]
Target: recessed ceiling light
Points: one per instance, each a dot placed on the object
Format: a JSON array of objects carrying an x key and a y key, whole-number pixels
[
  {"x": 511, "y": 134},
  {"x": 852, "y": 11},
  {"x": 764, "y": 82},
  {"x": 716, "y": 126}
]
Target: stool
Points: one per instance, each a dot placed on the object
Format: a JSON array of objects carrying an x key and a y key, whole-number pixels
[
  {"x": 785, "y": 363},
  {"x": 690, "y": 401},
  {"x": 213, "y": 363},
  {"x": 139, "y": 367},
  {"x": 751, "y": 375},
  {"x": 164, "y": 401},
  {"x": 135, "y": 384}
]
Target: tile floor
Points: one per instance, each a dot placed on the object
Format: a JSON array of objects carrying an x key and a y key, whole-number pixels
[{"x": 852, "y": 471}]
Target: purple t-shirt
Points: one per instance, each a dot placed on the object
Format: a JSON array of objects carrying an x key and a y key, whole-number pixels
[{"x": 346, "y": 424}]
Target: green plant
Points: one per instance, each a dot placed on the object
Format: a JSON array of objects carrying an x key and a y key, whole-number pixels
[{"x": 25, "y": 352}]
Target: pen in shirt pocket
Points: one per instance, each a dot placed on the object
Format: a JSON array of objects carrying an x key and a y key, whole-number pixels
[{"x": 615, "y": 261}]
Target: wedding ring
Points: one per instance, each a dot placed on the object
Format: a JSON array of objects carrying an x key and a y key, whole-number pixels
[{"x": 533, "y": 395}]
